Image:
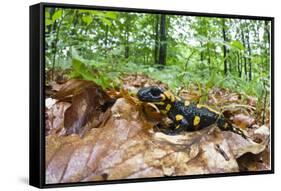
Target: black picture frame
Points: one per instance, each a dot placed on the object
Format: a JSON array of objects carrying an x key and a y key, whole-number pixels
[{"x": 37, "y": 94}]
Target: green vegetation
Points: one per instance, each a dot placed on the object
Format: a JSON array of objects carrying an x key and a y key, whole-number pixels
[{"x": 178, "y": 50}]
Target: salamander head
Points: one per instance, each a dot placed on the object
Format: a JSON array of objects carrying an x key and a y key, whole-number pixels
[{"x": 151, "y": 94}]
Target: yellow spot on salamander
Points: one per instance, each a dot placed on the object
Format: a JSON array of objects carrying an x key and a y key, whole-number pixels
[
  {"x": 164, "y": 111},
  {"x": 179, "y": 117},
  {"x": 196, "y": 120},
  {"x": 167, "y": 94},
  {"x": 163, "y": 97},
  {"x": 177, "y": 126},
  {"x": 170, "y": 96},
  {"x": 186, "y": 103},
  {"x": 159, "y": 103},
  {"x": 168, "y": 107}
]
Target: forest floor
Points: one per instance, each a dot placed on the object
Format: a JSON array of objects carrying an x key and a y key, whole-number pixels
[{"x": 93, "y": 135}]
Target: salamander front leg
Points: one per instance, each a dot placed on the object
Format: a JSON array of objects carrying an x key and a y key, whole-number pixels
[
  {"x": 173, "y": 128},
  {"x": 164, "y": 128}
]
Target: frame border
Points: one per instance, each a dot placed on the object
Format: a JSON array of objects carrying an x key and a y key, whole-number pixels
[{"x": 37, "y": 171}]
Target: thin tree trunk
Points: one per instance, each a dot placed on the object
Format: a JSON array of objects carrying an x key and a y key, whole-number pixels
[
  {"x": 264, "y": 106},
  {"x": 163, "y": 41},
  {"x": 245, "y": 59},
  {"x": 55, "y": 47},
  {"x": 224, "y": 47},
  {"x": 239, "y": 66},
  {"x": 156, "y": 48},
  {"x": 267, "y": 31},
  {"x": 250, "y": 54},
  {"x": 49, "y": 27},
  {"x": 106, "y": 40},
  {"x": 201, "y": 55},
  {"x": 188, "y": 59},
  {"x": 127, "y": 37},
  {"x": 266, "y": 44},
  {"x": 209, "y": 56}
]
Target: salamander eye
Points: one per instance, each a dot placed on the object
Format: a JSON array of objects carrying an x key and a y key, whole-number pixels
[{"x": 155, "y": 91}]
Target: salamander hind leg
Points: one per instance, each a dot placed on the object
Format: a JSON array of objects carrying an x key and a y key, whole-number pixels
[
  {"x": 171, "y": 129},
  {"x": 161, "y": 127},
  {"x": 226, "y": 126}
]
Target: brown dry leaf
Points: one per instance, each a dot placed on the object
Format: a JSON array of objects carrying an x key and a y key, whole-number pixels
[
  {"x": 240, "y": 146},
  {"x": 242, "y": 121},
  {"x": 233, "y": 97},
  {"x": 252, "y": 101},
  {"x": 88, "y": 106},
  {"x": 72, "y": 87},
  {"x": 261, "y": 133},
  {"x": 152, "y": 112},
  {"x": 252, "y": 162},
  {"x": 126, "y": 147},
  {"x": 190, "y": 95},
  {"x": 54, "y": 116}
]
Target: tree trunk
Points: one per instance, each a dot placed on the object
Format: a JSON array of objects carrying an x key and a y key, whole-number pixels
[
  {"x": 267, "y": 31},
  {"x": 249, "y": 54},
  {"x": 127, "y": 35},
  {"x": 201, "y": 55},
  {"x": 156, "y": 48},
  {"x": 224, "y": 47},
  {"x": 209, "y": 56},
  {"x": 106, "y": 40},
  {"x": 239, "y": 64},
  {"x": 245, "y": 59},
  {"x": 163, "y": 41},
  {"x": 55, "y": 47},
  {"x": 49, "y": 27},
  {"x": 266, "y": 46}
]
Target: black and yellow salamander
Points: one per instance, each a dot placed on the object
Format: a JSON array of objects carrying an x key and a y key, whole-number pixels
[{"x": 186, "y": 116}]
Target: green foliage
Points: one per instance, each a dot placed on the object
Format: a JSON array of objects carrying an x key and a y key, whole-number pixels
[
  {"x": 237, "y": 44},
  {"x": 87, "y": 19},
  {"x": 82, "y": 71},
  {"x": 57, "y": 15},
  {"x": 201, "y": 51}
]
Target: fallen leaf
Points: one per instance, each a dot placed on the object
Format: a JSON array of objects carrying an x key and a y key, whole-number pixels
[
  {"x": 89, "y": 105},
  {"x": 242, "y": 121},
  {"x": 72, "y": 87},
  {"x": 252, "y": 162},
  {"x": 240, "y": 146},
  {"x": 54, "y": 116},
  {"x": 125, "y": 147}
]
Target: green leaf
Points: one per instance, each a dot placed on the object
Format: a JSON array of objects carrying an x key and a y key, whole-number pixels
[
  {"x": 57, "y": 15},
  {"x": 81, "y": 68},
  {"x": 87, "y": 19},
  {"x": 111, "y": 15},
  {"x": 47, "y": 14},
  {"x": 106, "y": 21},
  {"x": 85, "y": 11},
  {"x": 237, "y": 44},
  {"x": 48, "y": 22},
  {"x": 212, "y": 81}
]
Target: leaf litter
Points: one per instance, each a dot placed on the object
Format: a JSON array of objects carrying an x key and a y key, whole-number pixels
[{"x": 92, "y": 135}]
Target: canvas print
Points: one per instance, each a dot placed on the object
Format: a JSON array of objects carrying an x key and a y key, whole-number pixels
[{"x": 132, "y": 95}]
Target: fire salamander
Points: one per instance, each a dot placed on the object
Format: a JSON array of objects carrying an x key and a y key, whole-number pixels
[{"x": 186, "y": 116}]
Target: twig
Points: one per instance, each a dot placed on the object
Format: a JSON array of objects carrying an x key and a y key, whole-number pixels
[{"x": 233, "y": 106}]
